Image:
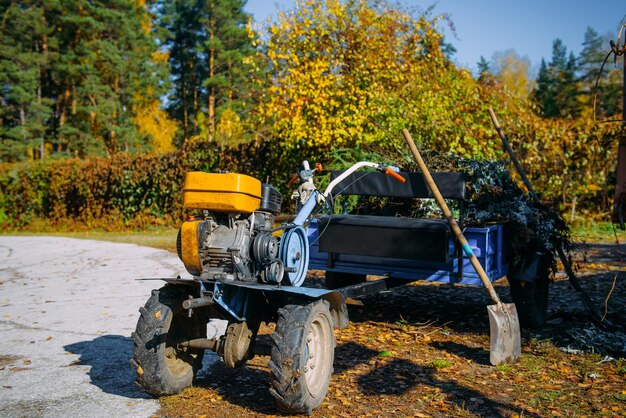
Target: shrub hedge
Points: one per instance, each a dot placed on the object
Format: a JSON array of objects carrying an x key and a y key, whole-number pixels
[{"x": 125, "y": 191}]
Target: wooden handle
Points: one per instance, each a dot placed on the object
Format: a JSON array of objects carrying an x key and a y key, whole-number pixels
[
  {"x": 448, "y": 214},
  {"x": 516, "y": 163}
]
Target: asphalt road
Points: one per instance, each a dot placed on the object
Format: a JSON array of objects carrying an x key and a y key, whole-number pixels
[{"x": 67, "y": 309}]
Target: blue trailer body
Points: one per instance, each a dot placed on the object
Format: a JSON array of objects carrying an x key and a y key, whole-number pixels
[{"x": 487, "y": 243}]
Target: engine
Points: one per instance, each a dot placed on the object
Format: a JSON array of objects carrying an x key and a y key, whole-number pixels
[{"x": 231, "y": 238}]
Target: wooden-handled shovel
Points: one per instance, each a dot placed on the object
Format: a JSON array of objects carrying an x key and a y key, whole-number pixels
[{"x": 504, "y": 326}]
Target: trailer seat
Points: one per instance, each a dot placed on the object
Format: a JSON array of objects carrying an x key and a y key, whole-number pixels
[{"x": 388, "y": 236}]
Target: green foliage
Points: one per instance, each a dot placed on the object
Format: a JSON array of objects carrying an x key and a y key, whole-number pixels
[
  {"x": 123, "y": 190},
  {"x": 79, "y": 77},
  {"x": 73, "y": 74},
  {"x": 605, "y": 86},
  {"x": 212, "y": 59},
  {"x": 504, "y": 368},
  {"x": 557, "y": 90},
  {"x": 569, "y": 85},
  {"x": 440, "y": 363},
  {"x": 591, "y": 231},
  {"x": 484, "y": 69}
]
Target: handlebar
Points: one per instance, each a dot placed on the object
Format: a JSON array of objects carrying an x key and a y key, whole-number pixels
[
  {"x": 383, "y": 168},
  {"x": 310, "y": 197}
]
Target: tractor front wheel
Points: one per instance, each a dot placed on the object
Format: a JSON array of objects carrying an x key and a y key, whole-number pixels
[
  {"x": 164, "y": 367},
  {"x": 303, "y": 348}
]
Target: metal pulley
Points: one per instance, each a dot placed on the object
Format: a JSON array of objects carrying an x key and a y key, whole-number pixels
[{"x": 294, "y": 253}]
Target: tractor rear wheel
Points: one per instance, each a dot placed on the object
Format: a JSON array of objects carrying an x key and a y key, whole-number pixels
[
  {"x": 163, "y": 367},
  {"x": 303, "y": 348}
]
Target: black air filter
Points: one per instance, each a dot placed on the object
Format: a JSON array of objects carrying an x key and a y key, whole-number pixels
[{"x": 271, "y": 198}]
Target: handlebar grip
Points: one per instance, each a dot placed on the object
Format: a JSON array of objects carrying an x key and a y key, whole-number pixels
[
  {"x": 394, "y": 175},
  {"x": 318, "y": 167}
]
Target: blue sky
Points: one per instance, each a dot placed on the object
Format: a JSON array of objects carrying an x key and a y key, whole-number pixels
[{"x": 487, "y": 26}]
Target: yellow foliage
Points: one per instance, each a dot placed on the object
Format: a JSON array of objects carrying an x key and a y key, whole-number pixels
[
  {"x": 153, "y": 121},
  {"x": 160, "y": 57},
  {"x": 346, "y": 73},
  {"x": 513, "y": 72},
  {"x": 229, "y": 129},
  {"x": 146, "y": 22},
  {"x": 334, "y": 65}
]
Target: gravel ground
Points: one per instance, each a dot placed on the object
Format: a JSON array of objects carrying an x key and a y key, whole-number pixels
[{"x": 67, "y": 309}]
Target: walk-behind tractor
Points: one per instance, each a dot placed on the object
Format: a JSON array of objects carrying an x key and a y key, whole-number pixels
[{"x": 249, "y": 271}]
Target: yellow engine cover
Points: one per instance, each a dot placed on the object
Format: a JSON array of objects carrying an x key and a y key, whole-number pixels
[
  {"x": 190, "y": 247},
  {"x": 228, "y": 192}
]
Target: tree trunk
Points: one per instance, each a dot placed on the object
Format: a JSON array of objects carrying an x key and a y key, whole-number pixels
[
  {"x": 22, "y": 123},
  {"x": 183, "y": 94},
  {"x": 195, "y": 104},
  {"x": 572, "y": 213},
  {"x": 212, "y": 90},
  {"x": 211, "y": 114},
  {"x": 42, "y": 149},
  {"x": 74, "y": 100}
]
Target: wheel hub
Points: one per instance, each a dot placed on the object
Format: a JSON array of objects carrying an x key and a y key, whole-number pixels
[{"x": 315, "y": 368}]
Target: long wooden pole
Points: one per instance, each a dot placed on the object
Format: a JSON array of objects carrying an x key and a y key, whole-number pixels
[
  {"x": 453, "y": 225},
  {"x": 620, "y": 186},
  {"x": 603, "y": 323}
]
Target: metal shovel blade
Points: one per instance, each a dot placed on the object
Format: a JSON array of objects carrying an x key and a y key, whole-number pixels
[{"x": 506, "y": 346}]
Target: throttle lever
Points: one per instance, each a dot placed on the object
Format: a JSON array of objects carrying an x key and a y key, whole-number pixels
[{"x": 392, "y": 172}]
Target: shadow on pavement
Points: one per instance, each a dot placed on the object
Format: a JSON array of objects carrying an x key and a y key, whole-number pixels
[{"x": 109, "y": 357}]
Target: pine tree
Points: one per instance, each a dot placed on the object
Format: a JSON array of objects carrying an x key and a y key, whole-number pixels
[
  {"x": 227, "y": 44},
  {"x": 106, "y": 72},
  {"x": 210, "y": 61},
  {"x": 73, "y": 75},
  {"x": 568, "y": 91},
  {"x": 559, "y": 55},
  {"x": 605, "y": 86},
  {"x": 543, "y": 93},
  {"x": 557, "y": 90},
  {"x": 591, "y": 56},
  {"x": 24, "y": 64},
  {"x": 182, "y": 35},
  {"x": 484, "y": 70}
]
